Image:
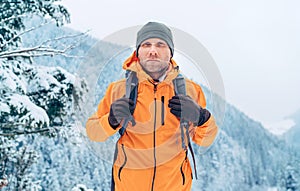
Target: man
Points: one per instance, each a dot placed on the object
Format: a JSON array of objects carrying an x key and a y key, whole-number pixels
[{"x": 152, "y": 153}]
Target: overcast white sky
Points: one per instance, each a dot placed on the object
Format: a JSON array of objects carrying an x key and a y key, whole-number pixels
[{"x": 255, "y": 44}]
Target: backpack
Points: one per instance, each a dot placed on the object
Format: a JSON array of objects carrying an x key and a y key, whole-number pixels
[{"x": 132, "y": 92}]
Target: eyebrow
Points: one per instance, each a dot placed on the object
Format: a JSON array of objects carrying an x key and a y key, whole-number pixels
[{"x": 161, "y": 41}]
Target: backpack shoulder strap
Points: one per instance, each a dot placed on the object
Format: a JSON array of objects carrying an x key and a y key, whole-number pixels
[
  {"x": 131, "y": 93},
  {"x": 180, "y": 88},
  {"x": 179, "y": 85}
]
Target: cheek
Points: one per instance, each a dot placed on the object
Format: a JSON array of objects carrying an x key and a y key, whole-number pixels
[
  {"x": 167, "y": 58},
  {"x": 142, "y": 55},
  {"x": 167, "y": 55}
]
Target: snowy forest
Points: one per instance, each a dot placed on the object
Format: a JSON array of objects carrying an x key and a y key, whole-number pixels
[{"x": 49, "y": 87}]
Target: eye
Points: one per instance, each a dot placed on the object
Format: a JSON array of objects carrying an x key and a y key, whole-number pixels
[
  {"x": 161, "y": 44},
  {"x": 146, "y": 45}
]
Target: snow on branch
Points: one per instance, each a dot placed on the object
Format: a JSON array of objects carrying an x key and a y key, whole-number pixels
[
  {"x": 13, "y": 17},
  {"x": 54, "y": 130},
  {"x": 46, "y": 50},
  {"x": 24, "y": 15},
  {"x": 25, "y": 132},
  {"x": 22, "y": 33}
]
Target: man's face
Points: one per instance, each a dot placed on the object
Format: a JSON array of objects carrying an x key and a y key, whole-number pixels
[{"x": 154, "y": 55}]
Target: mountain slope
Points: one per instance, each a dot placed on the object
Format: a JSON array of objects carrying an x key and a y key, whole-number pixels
[
  {"x": 292, "y": 135},
  {"x": 244, "y": 157}
]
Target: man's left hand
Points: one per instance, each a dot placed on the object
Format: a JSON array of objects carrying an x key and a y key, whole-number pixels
[{"x": 184, "y": 107}]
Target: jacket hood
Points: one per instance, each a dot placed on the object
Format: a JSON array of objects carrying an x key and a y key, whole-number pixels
[{"x": 132, "y": 63}]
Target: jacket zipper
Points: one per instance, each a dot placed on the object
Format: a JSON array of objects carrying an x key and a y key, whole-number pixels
[
  {"x": 162, "y": 110},
  {"x": 182, "y": 173},
  {"x": 125, "y": 161},
  {"x": 154, "y": 138}
]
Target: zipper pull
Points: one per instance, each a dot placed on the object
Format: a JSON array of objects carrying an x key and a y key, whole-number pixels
[
  {"x": 154, "y": 83},
  {"x": 155, "y": 88}
]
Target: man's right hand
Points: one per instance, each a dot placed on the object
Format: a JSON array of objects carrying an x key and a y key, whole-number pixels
[{"x": 119, "y": 110}]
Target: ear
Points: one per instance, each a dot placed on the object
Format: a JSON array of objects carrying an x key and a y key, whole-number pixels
[{"x": 136, "y": 53}]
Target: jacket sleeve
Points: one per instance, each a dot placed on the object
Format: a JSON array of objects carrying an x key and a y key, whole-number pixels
[
  {"x": 205, "y": 134},
  {"x": 97, "y": 126}
]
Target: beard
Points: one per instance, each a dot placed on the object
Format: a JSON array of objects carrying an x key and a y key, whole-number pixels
[{"x": 156, "y": 68}]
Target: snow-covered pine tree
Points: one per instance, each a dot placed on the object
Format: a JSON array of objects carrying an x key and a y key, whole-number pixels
[
  {"x": 33, "y": 100},
  {"x": 13, "y": 13},
  {"x": 290, "y": 176}
]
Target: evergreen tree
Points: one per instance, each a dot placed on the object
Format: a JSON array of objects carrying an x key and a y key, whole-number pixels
[
  {"x": 291, "y": 178},
  {"x": 33, "y": 100},
  {"x": 13, "y": 13}
]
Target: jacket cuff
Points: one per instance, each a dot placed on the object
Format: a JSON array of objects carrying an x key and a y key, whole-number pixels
[{"x": 106, "y": 126}]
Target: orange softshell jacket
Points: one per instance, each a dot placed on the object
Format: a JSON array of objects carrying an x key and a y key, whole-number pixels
[{"x": 150, "y": 154}]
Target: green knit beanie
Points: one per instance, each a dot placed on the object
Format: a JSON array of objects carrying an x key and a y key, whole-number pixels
[{"x": 155, "y": 30}]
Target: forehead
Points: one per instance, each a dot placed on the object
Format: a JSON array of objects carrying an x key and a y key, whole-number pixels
[{"x": 153, "y": 40}]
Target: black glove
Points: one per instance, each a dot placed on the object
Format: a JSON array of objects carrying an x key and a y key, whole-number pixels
[
  {"x": 120, "y": 109},
  {"x": 186, "y": 108}
]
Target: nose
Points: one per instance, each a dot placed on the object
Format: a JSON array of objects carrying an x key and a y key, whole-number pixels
[{"x": 153, "y": 50}]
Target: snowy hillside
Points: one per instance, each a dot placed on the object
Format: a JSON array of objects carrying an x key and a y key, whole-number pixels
[
  {"x": 86, "y": 48},
  {"x": 292, "y": 135},
  {"x": 244, "y": 157},
  {"x": 280, "y": 127}
]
